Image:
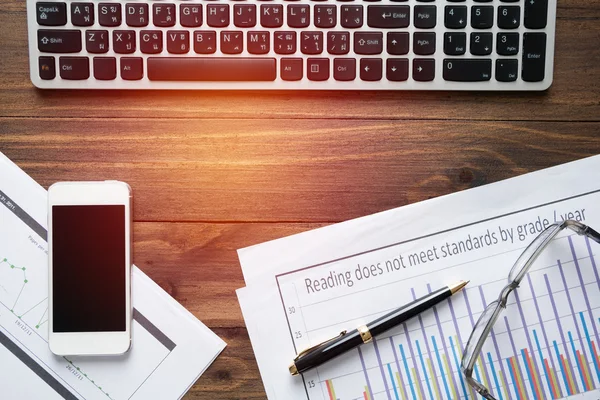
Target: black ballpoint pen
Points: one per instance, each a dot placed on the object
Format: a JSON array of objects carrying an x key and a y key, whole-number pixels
[{"x": 347, "y": 340}]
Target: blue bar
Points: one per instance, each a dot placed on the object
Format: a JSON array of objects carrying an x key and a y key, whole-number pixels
[
  {"x": 564, "y": 373},
  {"x": 513, "y": 376},
  {"x": 537, "y": 343},
  {"x": 424, "y": 370},
  {"x": 494, "y": 375},
  {"x": 531, "y": 381},
  {"x": 412, "y": 389},
  {"x": 439, "y": 359},
  {"x": 578, "y": 362},
  {"x": 393, "y": 380},
  {"x": 587, "y": 335},
  {"x": 462, "y": 381}
]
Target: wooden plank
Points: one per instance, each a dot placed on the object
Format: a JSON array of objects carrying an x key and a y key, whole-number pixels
[
  {"x": 287, "y": 170},
  {"x": 197, "y": 264},
  {"x": 574, "y": 95}
]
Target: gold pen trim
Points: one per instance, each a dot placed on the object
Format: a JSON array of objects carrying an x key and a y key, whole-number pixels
[
  {"x": 294, "y": 370},
  {"x": 458, "y": 286},
  {"x": 365, "y": 334}
]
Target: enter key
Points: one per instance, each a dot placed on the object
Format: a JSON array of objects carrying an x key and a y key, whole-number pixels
[{"x": 388, "y": 16}]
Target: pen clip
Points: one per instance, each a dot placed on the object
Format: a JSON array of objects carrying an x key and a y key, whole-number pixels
[{"x": 305, "y": 351}]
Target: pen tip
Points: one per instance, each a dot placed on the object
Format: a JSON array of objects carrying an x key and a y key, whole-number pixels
[
  {"x": 458, "y": 286},
  {"x": 293, "y": 369}
]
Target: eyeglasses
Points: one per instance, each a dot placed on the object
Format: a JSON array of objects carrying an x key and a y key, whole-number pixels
[{"x": 490, "y": 315}]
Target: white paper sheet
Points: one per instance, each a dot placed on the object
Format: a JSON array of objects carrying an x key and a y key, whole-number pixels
[
  {"x": 170, "y": 347},
  {"x": 309, "y": 287}
]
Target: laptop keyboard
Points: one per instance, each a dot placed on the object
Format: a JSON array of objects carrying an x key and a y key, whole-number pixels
[{"x": 303, "y": 44}]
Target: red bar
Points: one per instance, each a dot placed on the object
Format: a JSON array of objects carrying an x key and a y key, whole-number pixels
[{"x": 536, "y": 382}]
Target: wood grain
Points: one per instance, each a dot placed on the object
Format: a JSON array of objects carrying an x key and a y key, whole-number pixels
[
  {"x": 294, "y": 170},
  {"x": 213, "y": 172},
  {"x": 574, "y": 95}
]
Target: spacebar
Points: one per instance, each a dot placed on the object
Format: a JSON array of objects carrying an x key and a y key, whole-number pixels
[{"x": 211, "y": 69}]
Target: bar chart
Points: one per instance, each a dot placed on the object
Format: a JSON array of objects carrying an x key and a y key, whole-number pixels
[{"x": 544, "y": 346}]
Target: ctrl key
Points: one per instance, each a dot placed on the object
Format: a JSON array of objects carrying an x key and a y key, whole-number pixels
[
  {"x": 47, "y": 67},
  {"x": 74, "y": 68}
]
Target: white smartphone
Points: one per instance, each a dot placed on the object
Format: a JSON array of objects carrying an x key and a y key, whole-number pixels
[{"x": 89, "y": 237}]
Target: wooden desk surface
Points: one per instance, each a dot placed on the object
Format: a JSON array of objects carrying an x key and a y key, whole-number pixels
[{"x": 216, "y": 171}]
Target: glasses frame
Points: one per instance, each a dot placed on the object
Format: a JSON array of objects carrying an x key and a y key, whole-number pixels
[{"x": 467, "y": 365}]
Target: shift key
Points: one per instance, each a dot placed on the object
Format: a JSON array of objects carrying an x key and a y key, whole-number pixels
[
  {"x": 534, "y": 57},
  {"x": 59, "y": 41}
]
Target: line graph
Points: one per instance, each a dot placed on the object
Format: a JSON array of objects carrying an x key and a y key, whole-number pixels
[{"x": 546, "y": 345}]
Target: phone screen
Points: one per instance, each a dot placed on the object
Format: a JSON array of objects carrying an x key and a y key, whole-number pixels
[{"x": 88, "y": 267}]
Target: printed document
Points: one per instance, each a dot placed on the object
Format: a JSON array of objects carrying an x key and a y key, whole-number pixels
[
  {"x": 307, "y": 288},
  {"x": 170, "y": 347}
]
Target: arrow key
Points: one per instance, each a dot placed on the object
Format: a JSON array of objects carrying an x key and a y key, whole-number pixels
[
  {"x": 370, "y": 69},
  {"x": 397, "y": 43},
  {"x": 396, "y": 69},
  {"x": 423, "y": 69},
  {"x": 481, "y": 43}
]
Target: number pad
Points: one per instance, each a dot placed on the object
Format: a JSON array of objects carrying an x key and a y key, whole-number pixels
[
  {"x": 455, "y": 43},
  {"x": 481, "y": 43},
  {"x": 507, "y": 44},
  {"x": 482, "y": 17}
]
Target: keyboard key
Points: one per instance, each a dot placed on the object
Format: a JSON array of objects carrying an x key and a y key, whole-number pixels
[
  {"x": 352, "y": 16},
  {"x": 105, "y": 68},
  {"x": 82, "y": 14},
  {"x": 244, "y": 15},
  {"x": 96, "y": 42},
  {"x": 424, "y": 43},
  {"x": 109, "y": 14},
  {"x": 151, "y": 42},
  {"x": 455, "y": 17},
  {"x": 51, "y": 13},
  {"x": 298, "y": 16},
  {"x": 317, "y": 69},
  {"x": 59, "y": 41},
  {"x": 371, "y": 69},
  {"x": 482, "y": 17},
  {"x": 507, "y": 70},
  {"x": 291, "y": 69},
  {"x": 455, "y": 43},
  {"x": 271, "y": 15},
  {"x": 344, "y": 69},
  {"x": 190, "y": 15},
  {"x": 509, "y": 17},
  {"x": 536, "y": 14},
  {"x": 47, "y": 68},
  {"x": 423, "y": 69},
  {"x": 124, "y": 42},
  {"x": 311, "y": 42},
  {"x": 284, "y": 42},
  {"x": 74, "y": 68},
  {"x": 163, "y": 15},
  {"x": 178, "y": 42},
  {"x": 398, "y": 43},
  {"x": 396, "y": 69},
  {"x": 368, "y": 42},
  {"x": 507, "y": 44},
  {"x": 392, "y": 16},
  {"x": 325, "y": 16},
  {"x": 461, "y": 70},
  {"x": 136, "y": 14},
  {"x": 259, "y": 42},
  {"x": 132, "y": 68},
  {"x": 425, "y": 17},
  {"x": 210, "y": 69},
  {"x": 481, "y": 43},
  {"x": 217, "y": 15},
  {"x": 534, "y": 57},
  {"x": 232, "y": 42},
  {"x": 337, "y": 42},
  {"x": 205, "y": 42}
]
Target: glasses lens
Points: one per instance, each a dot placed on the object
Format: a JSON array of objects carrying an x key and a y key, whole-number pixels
[
  {"x": 532, "y": 251},
  {"x": 479, "y": 335}
]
